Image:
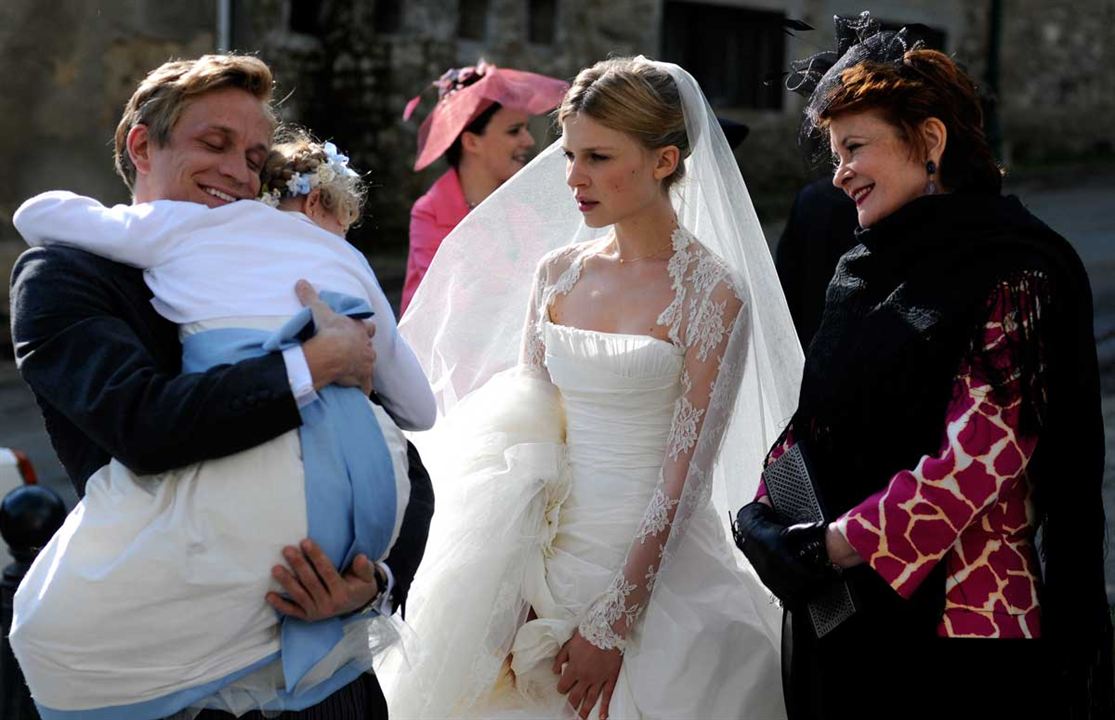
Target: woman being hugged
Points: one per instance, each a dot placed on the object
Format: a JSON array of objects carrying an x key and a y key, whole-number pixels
[
  {"x": 949, "y": 410},
  {"x": 596, "y": 569}
]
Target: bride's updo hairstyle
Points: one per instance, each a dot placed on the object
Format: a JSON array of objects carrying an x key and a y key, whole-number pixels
[
  {"x": 296, "y": 154},
  {"x": 635, "y": 97}
]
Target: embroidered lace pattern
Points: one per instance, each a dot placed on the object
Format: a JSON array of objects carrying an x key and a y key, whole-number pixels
[
  {"x": 657, "y": 517},
  {"x": 707, "y": 319},
  {"x": 557, "y": 273}
]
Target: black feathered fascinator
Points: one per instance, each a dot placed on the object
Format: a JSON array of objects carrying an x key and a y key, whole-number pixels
[{"x": 858, "y": 39}]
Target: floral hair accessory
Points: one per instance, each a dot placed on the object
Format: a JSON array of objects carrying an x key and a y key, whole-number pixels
[
  {"x": 334, "y": 166},
  {"x": 455, "y": 79},
  {"x": 269, "y": 197}
]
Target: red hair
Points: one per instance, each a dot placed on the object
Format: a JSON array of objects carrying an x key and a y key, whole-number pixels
[{"x": 925, "y": 84}]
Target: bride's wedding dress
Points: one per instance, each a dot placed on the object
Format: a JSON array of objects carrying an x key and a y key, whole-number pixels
[
  {"x": 564, "y": 486},
  {"x": 584, "y": 478}
]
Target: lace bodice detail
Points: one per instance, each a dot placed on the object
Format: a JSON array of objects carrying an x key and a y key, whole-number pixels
[{"x": 706, "y": 321}]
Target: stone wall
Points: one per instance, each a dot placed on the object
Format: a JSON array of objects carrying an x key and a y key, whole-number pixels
[
  {"x": 1058, "y": 84},
  {"x": 69, "y": 67}
]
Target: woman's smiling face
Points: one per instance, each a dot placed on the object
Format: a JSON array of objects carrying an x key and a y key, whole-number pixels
[
  {"x": 876, "y": 166},
  {"x": 506, "y": 143}
]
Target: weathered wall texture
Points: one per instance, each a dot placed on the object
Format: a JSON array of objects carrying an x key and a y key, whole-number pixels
[
  {"x": 1058, "y": 88},
  {"x": 69, "y": 67}
]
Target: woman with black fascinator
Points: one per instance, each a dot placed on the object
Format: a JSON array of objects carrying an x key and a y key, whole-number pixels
[{"x": 949, "y": 424}]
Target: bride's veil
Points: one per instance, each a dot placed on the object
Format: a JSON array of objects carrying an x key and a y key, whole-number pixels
[{"x": 465, "y": 322}]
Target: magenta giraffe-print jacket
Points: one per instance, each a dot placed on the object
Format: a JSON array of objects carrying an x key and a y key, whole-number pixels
[{"x": 969, "y": 505}]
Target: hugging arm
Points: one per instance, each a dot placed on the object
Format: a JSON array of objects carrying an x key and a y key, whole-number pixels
[
  {"x": 141, "y": 235},
  {"x": 398, "y": 378}
]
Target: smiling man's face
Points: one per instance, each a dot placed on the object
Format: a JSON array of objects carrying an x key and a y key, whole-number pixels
[{"x": 214, "y": 154}]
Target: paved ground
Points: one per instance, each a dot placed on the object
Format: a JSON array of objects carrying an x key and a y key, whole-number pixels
[{"x": 1078, "y": 207}]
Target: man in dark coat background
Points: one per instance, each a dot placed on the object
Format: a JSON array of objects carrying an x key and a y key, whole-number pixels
[{"x": 821, "y": 228}]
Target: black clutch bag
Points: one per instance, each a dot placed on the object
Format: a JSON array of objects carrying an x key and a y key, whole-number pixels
[{"x": 794, "y": 496}]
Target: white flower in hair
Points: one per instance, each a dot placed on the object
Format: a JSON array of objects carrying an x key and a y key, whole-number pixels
[
  {"x": 325, "y": 173},
  {"x": 333, "y": 154},
  {"x": 270, "y": 198},
  {"x": 335, "y": 165},
  {"x": 300, "y": 184},
  {"x": 337, "y": 161}
]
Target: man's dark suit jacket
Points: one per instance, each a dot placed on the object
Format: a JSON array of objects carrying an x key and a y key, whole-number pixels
[{"x": 105, "y": 369}]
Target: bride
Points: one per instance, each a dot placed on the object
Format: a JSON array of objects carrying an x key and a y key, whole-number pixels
[{"x": 579, "y": 561}]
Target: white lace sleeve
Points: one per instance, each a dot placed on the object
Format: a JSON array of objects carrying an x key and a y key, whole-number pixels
[
  {"x": 556, "y": 274},
  {"x": 532, "y": 354},
  {"x": 708, "y": 319}
]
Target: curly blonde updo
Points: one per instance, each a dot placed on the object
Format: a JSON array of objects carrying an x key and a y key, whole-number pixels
[
  {"x": 297, "y": 151},
  {"x": 633, "y": 96}
]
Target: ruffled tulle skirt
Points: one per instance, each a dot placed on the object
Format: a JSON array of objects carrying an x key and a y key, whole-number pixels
[{"x": 518, "y": 530}]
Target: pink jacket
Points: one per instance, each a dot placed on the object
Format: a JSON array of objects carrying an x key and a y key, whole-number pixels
[{"x": 433, "y": 216}]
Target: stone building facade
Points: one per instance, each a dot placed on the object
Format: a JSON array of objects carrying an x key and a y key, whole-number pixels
[{"x": 347, "y": 67}]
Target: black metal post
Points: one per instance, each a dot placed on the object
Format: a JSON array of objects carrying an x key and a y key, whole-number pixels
[
  {"x": 29, "y": 516},
  {"x": 993, "y": 102}
]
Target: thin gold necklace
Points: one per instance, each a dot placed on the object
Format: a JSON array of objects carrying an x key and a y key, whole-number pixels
[{"x": 659, "y": 251}]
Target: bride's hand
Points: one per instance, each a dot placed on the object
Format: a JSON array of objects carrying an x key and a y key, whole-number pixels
[{"x": 587, "y": 673}]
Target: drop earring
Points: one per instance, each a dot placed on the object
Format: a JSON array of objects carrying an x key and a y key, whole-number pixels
[{"x": 931, "y": 187}]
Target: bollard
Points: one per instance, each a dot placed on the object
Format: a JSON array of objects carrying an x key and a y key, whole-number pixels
[{"x": 29, "y": 517}]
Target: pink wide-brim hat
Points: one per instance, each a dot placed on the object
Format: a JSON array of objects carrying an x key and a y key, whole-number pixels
[{"x": 527, "y": 92}]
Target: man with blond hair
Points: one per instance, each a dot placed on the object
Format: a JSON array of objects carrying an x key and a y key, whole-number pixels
[{"x": 106, "y": 368}]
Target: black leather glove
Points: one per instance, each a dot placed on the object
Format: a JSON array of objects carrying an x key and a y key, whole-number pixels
[{"x": 791, "y": 560}]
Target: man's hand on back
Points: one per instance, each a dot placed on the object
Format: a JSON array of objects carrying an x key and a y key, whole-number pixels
[
  {"x": 341, "y": 351},
  {"x": 315, "y": 590}
]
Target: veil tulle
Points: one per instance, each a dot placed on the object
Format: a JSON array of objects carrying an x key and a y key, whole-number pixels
[{"x": 465, "y": 322}]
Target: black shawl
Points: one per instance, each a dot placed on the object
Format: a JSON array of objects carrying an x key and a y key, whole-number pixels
[{"x": 901, "y": 313}]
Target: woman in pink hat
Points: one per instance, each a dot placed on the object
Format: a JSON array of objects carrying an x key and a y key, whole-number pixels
[{"x": 480, "y": 125}]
